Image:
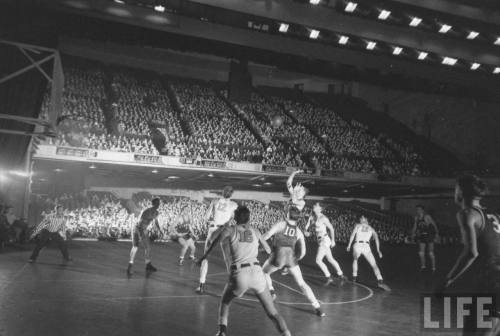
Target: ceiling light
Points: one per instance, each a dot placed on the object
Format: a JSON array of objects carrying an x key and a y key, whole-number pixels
[
  {"x": 384, "y": 14},
  {"x": 173, "y": 177},
  {"x": 314, "y": 2},
  {"x": 351, "y": 7},
  {"x": 497, "y": 42},
  {"x": 415, "y": 21},
  {"x": 444, "y": 29},
  {"x": 449, "y": 61},
  {"x": 58, "y": 170},
  {"x": 472, "y": 35},
  {"x": 120, "y": 1},
  {"x": 159, "y": 8},
  {"x": 92, "y": 166},
  {"x": 422, "y": 55},
  {"x": 256, "y": 185},
  {"x": 210, "y": 175},
  {"x": 397, "y": 50},
  {"x": 497, "y": 70},
  {"x": 371, "y": 45},
  {"x": 314, "y": 34},
  {"x": 343, "y": 39},
  {"x": 155, "y": 171},
  {"x": 267, "y": 183},
  {"x": 283, "y": 27},
  {"x": 475, "y": 66},
  {"x": 345, "y": 190}
]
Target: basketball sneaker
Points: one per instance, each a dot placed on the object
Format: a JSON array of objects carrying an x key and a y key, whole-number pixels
[
  {"x": 150, "y": 267},
  {"x": 319, "y": 312},
  {"x": 201, "y": 288},
  {"x": 383, "y": 286},
  {"x": 129, "y": 269},
  {"x": 329, "y": 281}
]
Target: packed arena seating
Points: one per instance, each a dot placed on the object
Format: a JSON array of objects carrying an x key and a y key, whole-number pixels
[
  {"x": 101, "y": 214},
  {"x": 120, "y": 109}
]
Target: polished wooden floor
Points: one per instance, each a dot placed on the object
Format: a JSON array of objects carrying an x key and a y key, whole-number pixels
[{"x": 93, "y": 296}]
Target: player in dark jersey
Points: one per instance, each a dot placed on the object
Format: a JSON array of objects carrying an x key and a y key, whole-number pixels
[
  {"x": 140, "y": 234},
  {"x": 480, "y": 230},
  {"x": 184, "y": 235},
  {"x": 240, "y": 244},
  {"x": 425, "y": 233},
  {"x": 286, "y": 236}
]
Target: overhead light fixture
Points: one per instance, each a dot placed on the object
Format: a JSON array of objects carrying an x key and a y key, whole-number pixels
[
  {"x": 283, "y": 27},
  {"x": 422, "y": 55},
  {"x": 415, "y": 21},
  {"x": 345, "y": 191},
  {"x": 343, "y": 39},
  {"x": 472, "y": 35},
  {"x": 397, "y": 50},
  {"x": 314, "y": 2},
  {"x": 210, "y": 175},
  {"x": 155, "y": 171},
  {"x": 444, "y": 28},
  {"x": 267, "y": 183},
  {"x": 475, "y": 66},
  {"x": 449, "y": 61},
  {"x": 256, "y": 185},
  {"x": 58, "y": 170},
  {"x": 92, "y": 166},
  {"x": 351, "y": 7},
  {"x": 384, "y": 14},
  {"x": 159, "y": 8},
  {"x": 496, "y": 70},
  {"x": 371, "y": 45},
  {"x": 119, "y": 1},
  {"x": 173, "y": 177},
  {"x": 314, "y": 34},
  {"x": 497, "y": 42}
]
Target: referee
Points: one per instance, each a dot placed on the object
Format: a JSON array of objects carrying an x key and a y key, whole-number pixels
[{"x": 53, "y": 227}]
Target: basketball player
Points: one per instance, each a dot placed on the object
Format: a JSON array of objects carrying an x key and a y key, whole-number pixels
[
  {"x": 184, "y": 235},
  {"x": 222, "y": 211},
  {"x": 361, "y": 236},
  {"x": 297, "y": 192},
  {"x": 480, "y": 231},
  {"x": 325, "y": 235},
  {"x": 286, "y": 236},
  {"x": 240, "y": 245},
  {"x": 425, "y": 233},
  {"x": 140, "y": 234}
]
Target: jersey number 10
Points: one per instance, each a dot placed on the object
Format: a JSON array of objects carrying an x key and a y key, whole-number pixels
[{"x": 290, "y": 231}]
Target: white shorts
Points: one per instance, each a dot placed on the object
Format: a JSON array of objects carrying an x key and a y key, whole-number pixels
[
  {"x": 361, "y": 249},
  {"x": 324, "y": 242},
  {"x": 247, "y": 278}
]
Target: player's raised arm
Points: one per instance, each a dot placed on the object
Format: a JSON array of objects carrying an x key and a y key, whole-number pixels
[
  {"x": 466, "y": 221},
  {"x": 273, "y": 230},
  {"x": 289, "y": 182},
  {"x": 210, "y": 211},
  {"x": 351, "y": 239}
]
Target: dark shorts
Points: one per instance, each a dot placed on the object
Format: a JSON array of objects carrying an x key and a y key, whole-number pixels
[
  {"x": 283, "y": 257},
  {"x": 426, "y": 238},
  {"x": 138, "y": 235}
]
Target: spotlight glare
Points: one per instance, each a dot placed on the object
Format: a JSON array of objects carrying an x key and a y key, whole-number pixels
[
  {"x": 496, "y": 70},
  {"x": 497, "y": 42},
  {"x": 283, "y": 27},
  {"x": 472, "y": 35},
  {"x": 444, "y": 28},
  {"x": 351, "y": 7},
  {"x": 415, "y": 21},
  {"x": 475, "y": 66},
  {"x": 155, "y": 171},
  {"x": 371, "y": 45},
  {"x": 422, "y": 55},
  {"x": 449, "y": 61},
  {"x": 397, "y": 50},
  {"x": 119, "y": 1},
  {"x": 159, "y": 8},
  {"x": 384, "y": 14},
  {"x": 314, "y": 2},
  {"x": 314, "y": 34},
  {"x": 343, "y": 39}
]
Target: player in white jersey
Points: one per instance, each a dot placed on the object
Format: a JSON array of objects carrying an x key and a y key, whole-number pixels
[
  {"x": 325, "y": 235},
  {"x": 222, "y": 211},
  {"x": 361, "y": 236},
  {"x": 297, "y": 192},
  {"x": 240, "y": 245}
]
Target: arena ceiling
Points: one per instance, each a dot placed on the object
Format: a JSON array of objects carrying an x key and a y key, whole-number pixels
[{"x": 49, "y": 174}]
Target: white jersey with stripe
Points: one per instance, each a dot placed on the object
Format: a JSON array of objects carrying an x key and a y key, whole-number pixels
[
  {"x": 223, "y": 211},
  {"x": 364, "y": 233}
]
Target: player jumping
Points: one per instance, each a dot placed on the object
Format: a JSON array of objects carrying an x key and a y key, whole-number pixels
[
  {"x": 326, "y": 241},
  {"x": 222, "y": 211},
  {"x": 240, "y": 245},
  {"x": 297, "y": 192},
  {"x": 361, "y": 236},
  {"x": 184, "y": 235},
  {"x": 140, "y": 234},
  {"x": 286, "y": 236},
  {"x": 480, "y": 231}
]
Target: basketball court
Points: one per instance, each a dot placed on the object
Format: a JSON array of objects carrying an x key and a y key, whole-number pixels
[{"x": 93, "y": 295}]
